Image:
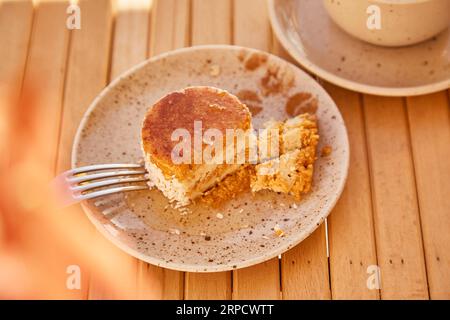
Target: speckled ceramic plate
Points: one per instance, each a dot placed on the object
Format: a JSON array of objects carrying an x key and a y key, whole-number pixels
[
  {"x": 318, "y": 44},
  {"x": 145, "y": 226}
]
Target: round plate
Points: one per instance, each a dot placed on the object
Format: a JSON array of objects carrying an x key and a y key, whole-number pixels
[
  {"x": 317, "y": 43},
  {"x": 144, "y": 224}
]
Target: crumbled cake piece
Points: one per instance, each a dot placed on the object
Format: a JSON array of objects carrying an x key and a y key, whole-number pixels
[
  {"x": 326, "y": 151},
  {"x": 294, "y": 133},
  {"x": 270, "y": 138},
  {"x": 214, "y": 70},
  {"x": 299, "y": 132},
  {"x": 278, "y": 231},
  {"x": 292, "y": 172}
]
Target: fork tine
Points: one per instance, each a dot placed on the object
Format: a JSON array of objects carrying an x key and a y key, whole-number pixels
[
  {"x": 103, "y": 167},
  {"x": 105, "y": 192},
  {"x": 104, "y": 183},
  {"x": 100, "y": 175}
]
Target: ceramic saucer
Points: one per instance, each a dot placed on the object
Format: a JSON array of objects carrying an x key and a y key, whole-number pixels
[{"x": 318, "y": 44}]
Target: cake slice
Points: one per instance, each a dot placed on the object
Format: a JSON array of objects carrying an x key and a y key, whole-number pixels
[
  {"x": 213, "y": 109},
  {"x": 292, "y": 171}
]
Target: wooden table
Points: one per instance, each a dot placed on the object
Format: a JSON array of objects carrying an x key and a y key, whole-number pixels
[{"x": 394, "y": 212}]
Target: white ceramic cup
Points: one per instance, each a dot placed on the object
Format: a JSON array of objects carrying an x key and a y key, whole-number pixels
[{"x": 390, "y": 22}]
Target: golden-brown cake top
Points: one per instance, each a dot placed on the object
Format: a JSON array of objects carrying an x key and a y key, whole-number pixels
[{"x": 215, "y": 108}]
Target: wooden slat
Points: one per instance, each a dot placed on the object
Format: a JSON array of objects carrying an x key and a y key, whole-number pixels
[
  {"x": 130, "y": 42},
  {"x": 118, "y": 279},
  {"x": 304, "y": 269},
  {"x": 207, "y": 286},
  {"x": 169, "y": 31},
  {"x": 44, "y": 79},
  {"x": 396, "y": 214},
  {"x": 430, "y": 135},
  {"x": 150, "y": 284},
  {"x": 87, "y": 71},
  {"x": 247, "y": 24},
  {"x": 211, "y": 24},
  {"x": 263, "y": 280},
  {"x": 159, "y": 283},
  {"x": 170, "y": 25},
  {"x": 350, "y": 225},
  {"x": 259, "y": 282},
  {"x": 86, "y": 75},
  {"x": 15, "y": 29}
]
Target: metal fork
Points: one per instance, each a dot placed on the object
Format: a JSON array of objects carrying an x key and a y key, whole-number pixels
[{"x": 82, "y": 183}]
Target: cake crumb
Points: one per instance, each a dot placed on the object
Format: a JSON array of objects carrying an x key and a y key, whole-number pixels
[
  {"x": 214, "y": 70},
  {"x": 219, "y": 216},
  {"x": 326, "y": 151},
  {"x": 278, "y": 231},
  {"x": 174, "y": 231}
]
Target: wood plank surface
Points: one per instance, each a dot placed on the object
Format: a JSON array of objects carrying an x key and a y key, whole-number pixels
[
  {"x": 350, "y": 224},
  {"x": 263, "y": 280},
  {"x": 15, "y": 30},
  {"x": 247, "y": 24},
  {"x": 208, "y": 286},
  {"x": 211, "y": 22},
  {"x": 210, "y": 25},
  {"x": 170, "y": 25},
  {"x": 44, "y": 79},
  {"x": 259, "y": 282},
  {"x": 429, "y": 122},
  {"x": 304, "y": 269},
  {"x": 159, "y": 283},
  {"x": 88, "y": 69},
  {"x": 396, "y": 214},
  {"x": 131, "y": 34}
]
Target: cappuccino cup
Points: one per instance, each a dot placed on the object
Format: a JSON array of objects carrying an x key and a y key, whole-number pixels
[{"x": 390, "y": 22}]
